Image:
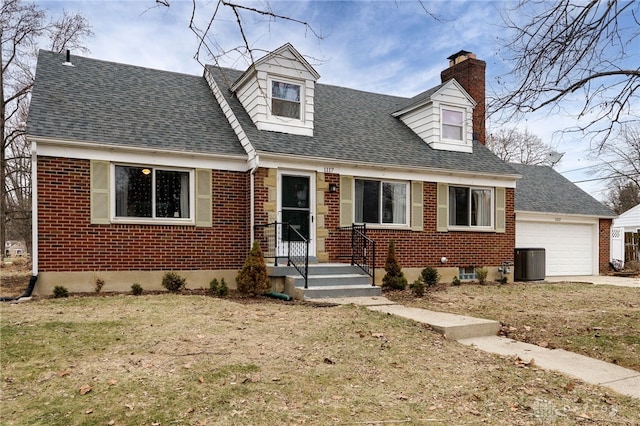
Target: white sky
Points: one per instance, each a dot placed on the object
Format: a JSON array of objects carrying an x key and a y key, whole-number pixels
[{"x": 390, "y": 47}]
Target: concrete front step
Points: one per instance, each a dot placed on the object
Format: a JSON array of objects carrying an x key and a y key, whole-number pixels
[
  {"x": 325, "y": 280},
  {"x": 323, "y": 292}
]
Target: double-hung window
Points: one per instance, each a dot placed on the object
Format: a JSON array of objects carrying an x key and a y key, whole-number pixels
[
  {"x": 285, "y": 99},
  {"x": 452, "y": 124},
  {"x": 470, "y": 207},
  {"x": 381, "y": 202},
  {"x": 152, "y": 193}
]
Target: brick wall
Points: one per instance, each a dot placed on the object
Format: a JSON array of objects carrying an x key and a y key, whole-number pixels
[
  {"x": 605, "y": 244},
  {"x": 67, "y": 241},
  {"x": 426, "y": 248}
]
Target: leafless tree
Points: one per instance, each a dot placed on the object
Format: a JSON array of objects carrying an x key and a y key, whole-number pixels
[
  {"x": 574, "y": 52},
  {"x": 515, "y": 146},
  {"x": 620, "y": 166},
  {"x": 23, "y": 28}
]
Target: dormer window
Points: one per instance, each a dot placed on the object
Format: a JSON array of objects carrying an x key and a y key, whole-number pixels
[
  {"x": 452, "y": 124},
  {"x": 285, "y": 99}
]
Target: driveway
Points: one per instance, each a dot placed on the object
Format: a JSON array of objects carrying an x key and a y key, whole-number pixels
[{"x": 597, "y": 280}]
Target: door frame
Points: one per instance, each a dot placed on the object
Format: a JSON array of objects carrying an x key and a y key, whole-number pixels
[{"x": 282, "y": 246}]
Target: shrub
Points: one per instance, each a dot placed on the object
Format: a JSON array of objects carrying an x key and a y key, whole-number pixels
[
  {"x": 417, "y": 288},
  {"x": 219, "y": 289},
  {"x": 136, "y": 289},
  {"x": 173, "y": 282},
  {"x": 456, "y": 281},
  {"x": 481, "y": 274},
  {"x": 252, "y": 279},
  {"x": 430, "y": 276},
  {"x": 60, "y": 291},
  {"x": 99, "y": 284},
  {"x": 394, "y": 278},
  {"x": 503, "y": 280}
]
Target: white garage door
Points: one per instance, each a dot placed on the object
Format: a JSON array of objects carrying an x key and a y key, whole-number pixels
[{"x": 568, "y": 247}]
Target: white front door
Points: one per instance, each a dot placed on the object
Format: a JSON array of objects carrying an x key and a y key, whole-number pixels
[{"x": 296, "y": 206}]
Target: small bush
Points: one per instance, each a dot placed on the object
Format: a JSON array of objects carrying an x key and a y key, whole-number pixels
[
  {"x": 481, "y": 274},
  {"x": 218, "y": 289},
  {"x": 456, "y": 281},
  {"x": 173, "y": 282},
  {"x": 394, "y": 279},
  {"x": 136, "y": 289},
  {"x": 60, "y": 291},
  {"x": 252, "y": 279},
  {"x": 503, "y": 280},
  {"x": 98, "y": 285},
  {"x": 417, "y": 288},
  {"x": 430, "y": 276}
]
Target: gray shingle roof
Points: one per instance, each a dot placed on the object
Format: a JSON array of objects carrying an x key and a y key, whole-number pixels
[
  {"x": 124, "y": 105},
  {"x": 544, "y": 190},
  {"x": 352, "y": 125}
]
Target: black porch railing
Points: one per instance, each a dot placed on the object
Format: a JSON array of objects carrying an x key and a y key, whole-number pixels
[
  {"x": 281, "y": 241},
  {"x": 358, "y": 248}
]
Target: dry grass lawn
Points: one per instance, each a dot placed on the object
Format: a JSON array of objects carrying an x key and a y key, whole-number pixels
[
  {"x": 598, "y": 321},
  {"x": 196, "y": 360}
]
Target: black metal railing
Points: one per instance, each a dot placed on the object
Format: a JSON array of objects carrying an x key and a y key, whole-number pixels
[
  {"x": 358, "y": 248},
  {"x": 282, "y": 241}
]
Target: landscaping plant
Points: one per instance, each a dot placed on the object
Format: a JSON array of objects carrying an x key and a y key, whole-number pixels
[
  {"x": 430, "y": 276},
  {"x": 394, "y": 279},
  {"x": 252, "y": 279},
  {"x": 60, "y": 291},
  {"x": 173, "y": 282},
  {"x": 481, "y": 274}
]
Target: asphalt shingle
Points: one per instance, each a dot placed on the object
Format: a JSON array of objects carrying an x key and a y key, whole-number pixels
[
  {"x": 352, "y": 125},
  {"x": 544, "y": 190},
  {"x": 122, "y": 105}
]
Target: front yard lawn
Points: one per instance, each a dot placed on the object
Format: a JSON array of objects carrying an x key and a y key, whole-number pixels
[
  {"x": 598, "y": 321},
  {"x": 196, "y": 360}
]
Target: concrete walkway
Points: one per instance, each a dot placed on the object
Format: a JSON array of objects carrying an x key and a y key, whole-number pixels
[
  {"x": 597, "y": 280},
  {"x": 482, "y": 334}
]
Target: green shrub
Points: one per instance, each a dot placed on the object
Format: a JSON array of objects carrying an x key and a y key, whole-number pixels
[
  {"x": 60, "y": 291},
  {"x": 503, "y": 280},
  {"x": 481, "y": 274},
  {"x": 173, "y": 282},
  {"x": 219, "y": 289},
  {"x": 417, "y": 287},
  {"x": 456, "y": 281},
  {"x": 394, "y": 278},
  {"x": 98, "y": 285},
  {"x": 136, "y": 289},
  {"x": 430, "y": 276},
  {"x": 252, "y": 279}
]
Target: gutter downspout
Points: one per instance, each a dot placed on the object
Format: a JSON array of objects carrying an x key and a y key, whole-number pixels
[
  {"x": 34, "y": 228},
  {"x": 252, "y": 202}
]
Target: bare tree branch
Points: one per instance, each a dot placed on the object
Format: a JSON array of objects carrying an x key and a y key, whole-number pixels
[{"x": 573, "y": 51}]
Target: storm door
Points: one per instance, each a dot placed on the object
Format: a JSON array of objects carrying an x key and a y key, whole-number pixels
[{"x": 296, "y": 208}]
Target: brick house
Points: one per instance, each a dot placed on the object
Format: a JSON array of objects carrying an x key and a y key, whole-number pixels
[{"x": 148, "y": 171}]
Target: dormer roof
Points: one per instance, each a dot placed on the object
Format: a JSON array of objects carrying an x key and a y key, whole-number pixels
[
  {"x": 426, "y": 97},
  {"x": 274, "y": 56}
]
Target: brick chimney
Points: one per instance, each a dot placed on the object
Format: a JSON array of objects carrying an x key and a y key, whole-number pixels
[{"x": 470, "y": 73}]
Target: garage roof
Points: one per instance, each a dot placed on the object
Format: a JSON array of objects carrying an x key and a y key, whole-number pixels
[{"x": 543, "y": 190}]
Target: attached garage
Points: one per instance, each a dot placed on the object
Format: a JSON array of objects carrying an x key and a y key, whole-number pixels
[
  {"x": 554, "y": 214},
  {"x": 570, "y": 248}
]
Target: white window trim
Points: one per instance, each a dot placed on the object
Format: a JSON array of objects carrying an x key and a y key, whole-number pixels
[
  {"x": 191, "y": 220},
  {"x": 462, "y": 141},
  {"x": 490, "y": 228},
  {"x": 278, "y": 118},
  {"x": 381, "y": 225}
]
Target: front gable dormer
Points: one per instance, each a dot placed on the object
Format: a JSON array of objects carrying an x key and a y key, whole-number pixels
[
  {"x": 277, "y": 92},
  {"x": 442, "y": 117}
]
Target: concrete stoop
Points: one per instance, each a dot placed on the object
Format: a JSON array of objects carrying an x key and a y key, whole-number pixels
[
  {"x": 452, "y": 326},
  {"x": 325, "y": 280}
]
